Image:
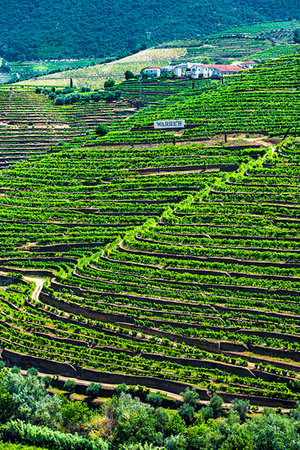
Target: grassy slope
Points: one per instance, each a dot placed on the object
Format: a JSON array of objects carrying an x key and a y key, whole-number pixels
[{"x": 135, "y": 63}]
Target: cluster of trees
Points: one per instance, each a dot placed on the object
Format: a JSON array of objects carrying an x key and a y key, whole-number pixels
[
  {"x": 135, "y": 420},
  {"x": 68, "y": 96},
  {"x": 37, "y": 31}
]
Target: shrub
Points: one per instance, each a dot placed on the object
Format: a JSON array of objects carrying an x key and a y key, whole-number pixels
[
  {"x": 154, "y": 398},
  {"x": 109, "y": 83},
  {"x": 70, "y": 386},
  {"x": 216, "y": 405},
  {"x": 32, "y": 371},
  {"x": 18, "y": 431},
  {"x": 94, "y": 389},
  {"x": 101, "y": 129},
  {"x": 121, "y": 388},
  {"x": 128, "y": 74},
  {"x": 241, "y": 407},
  {"x": 186, "y": 411},
  {"x": 47, "y": 380},
  {"x": 190, "y": 396}
]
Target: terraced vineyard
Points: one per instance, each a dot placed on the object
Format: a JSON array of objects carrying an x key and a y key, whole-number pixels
[
  {"x": 156, "y": 90},
  {"x": 163, "y": 266},
  {"x": 264, "y": 100},
  {"x": 261, "y": 41},
  {"x": 30, "y": 124}
]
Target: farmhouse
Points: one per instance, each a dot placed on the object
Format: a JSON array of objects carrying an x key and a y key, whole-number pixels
[
  {"x": 214, "y": 70},
  {"x": 151, "y": 71},
  {"x": 182, "y": 70},
  {"x": 201, "y": 71}
]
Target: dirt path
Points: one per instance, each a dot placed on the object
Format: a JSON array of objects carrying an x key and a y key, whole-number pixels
[{"x": 39, "y": 283}]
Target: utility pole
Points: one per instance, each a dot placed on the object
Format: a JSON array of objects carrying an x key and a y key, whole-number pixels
[{"x": 140, "y": 86}]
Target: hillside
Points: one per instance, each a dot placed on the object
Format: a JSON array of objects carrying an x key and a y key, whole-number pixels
[
  {"x": 163, "y": 265},
  {"x": 260, "y": 42},
  {"x": 77, "y": 29},
  {"x": 263, "y": 100},
  {"x": 95, "y": 76}
]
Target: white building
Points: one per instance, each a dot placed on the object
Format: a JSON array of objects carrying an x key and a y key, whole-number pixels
[
  {"x": 201, "y": 71},
  {"x": 247, "y": 64},
  {"x": 182, "y": 70},
  {"x": 151, "y": 71},
  {"x": 214, "y": 70}
]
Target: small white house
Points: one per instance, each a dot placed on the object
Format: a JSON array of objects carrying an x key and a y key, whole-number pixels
[
  {"x": 247, "y": 64},
  {"x": 151, "y": 71}
]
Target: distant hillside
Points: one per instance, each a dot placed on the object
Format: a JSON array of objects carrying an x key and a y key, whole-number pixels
[{"x": 78, "y": 28}]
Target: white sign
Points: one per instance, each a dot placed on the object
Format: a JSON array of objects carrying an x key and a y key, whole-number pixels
[{"x": 160, "y": 124}]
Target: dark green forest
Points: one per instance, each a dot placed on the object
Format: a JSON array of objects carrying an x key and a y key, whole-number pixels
[{"x": 101, "y": 28}]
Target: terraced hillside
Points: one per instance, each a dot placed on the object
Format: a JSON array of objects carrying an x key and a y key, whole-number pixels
[
  {"x": 153, "y": 91},
  {"x": 163, "y": 266},
  {"x": 30, "y": 124},
  {"x": 260, "y": 41},
  {"x": 145, "y": 284},
  {"x": 264, "y": 100}
]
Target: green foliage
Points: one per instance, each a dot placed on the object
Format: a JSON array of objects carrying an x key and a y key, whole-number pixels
[
  {"x": 175, "y": 425},
  {"x": 154, "y": 398},
  {"x": 297, "y": 36},
  {"x": 186, "y": 411},
  {"x": 47, "y": 380},
  {"x": 32, "y": 371},
  {"x": 25, "y": 398},
  {"x": 74, "y": 413},
  {"x": 190, "y": 396},
  {"x": 274, "y": 432},
  {"x": 241, "y": 407},
  {"x": 128, "y": 75},
  {"x": 101, "y": 129},
  {"x": 70, "y": 386},
  {"x": 109, "y": 83},
  {"x": 216, "y": 404},
  {"x": 94, "y": 389},
  {"x": 27, "y": 433},
  {"x": 37, "y": 36},
  {"x": 121, "y": 388}
]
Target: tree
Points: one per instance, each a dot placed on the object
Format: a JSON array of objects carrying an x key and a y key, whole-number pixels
[
  {"x": 101, "y": 129},
  {"x": 241, "y": 407},
  {"x": 176, "y": 425},
  {"x": 74, "y": 413},
  {"x": 297, "y": 36},
  {"x": 274, "y": 432},
  {"x": 109, "y": 83},
  {"x": 32, "y": 371},
  {"x": 29, "y": 399},
  {"x": 47, "y": 380},
  {"x": 240, "y": 440},
  {"x": 190, "y": 396},
  {"x": 128, "y": 74},
  {"x": 216, "y": 405},
  {"x": 186, "y": 411},
  {"x": 121, "y": 388}
]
